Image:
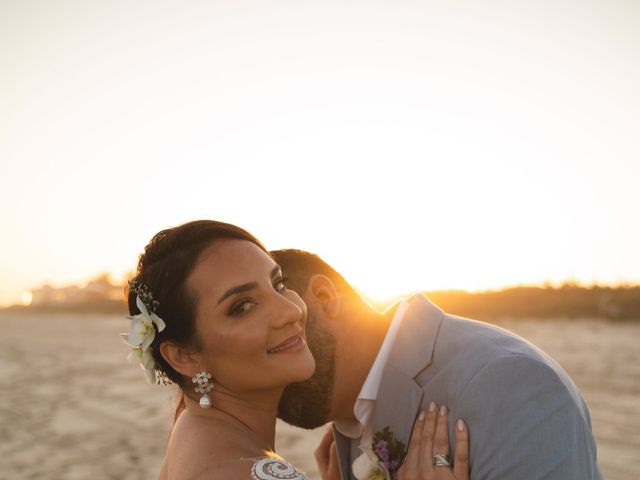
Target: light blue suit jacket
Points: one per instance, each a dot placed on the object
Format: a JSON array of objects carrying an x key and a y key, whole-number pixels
[{"x": 526, "y": 418}]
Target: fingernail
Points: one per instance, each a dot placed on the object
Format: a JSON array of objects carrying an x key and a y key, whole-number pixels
[
  {"x": 421, "y": 416},
  {"x": 460, "y": 426},
  {"x": 443, "y": 410},
  {"x": 432, "y": 406}
]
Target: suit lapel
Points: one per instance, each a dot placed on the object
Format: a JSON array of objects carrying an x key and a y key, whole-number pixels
[
  {"x": 397, "y": 407},
  {"x": 399, "y": 396},
  {"x": 412, "y": 349},
  {"x": 343, "y": 445}
]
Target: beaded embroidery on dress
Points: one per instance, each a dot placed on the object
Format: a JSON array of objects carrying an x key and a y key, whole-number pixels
[{"x": 270, "y": 468}]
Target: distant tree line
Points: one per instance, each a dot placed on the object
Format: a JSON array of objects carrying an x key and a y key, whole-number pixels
[{"x": 569, "y": 300}]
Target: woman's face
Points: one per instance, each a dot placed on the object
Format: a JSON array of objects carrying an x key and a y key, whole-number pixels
[{"x": 250, "y": 327}]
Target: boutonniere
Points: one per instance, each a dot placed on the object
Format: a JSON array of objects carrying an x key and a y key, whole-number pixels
[{"x": 383, "y": 460}]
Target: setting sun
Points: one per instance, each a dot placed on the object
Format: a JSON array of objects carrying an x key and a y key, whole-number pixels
[{"x": 27, "y": 298}]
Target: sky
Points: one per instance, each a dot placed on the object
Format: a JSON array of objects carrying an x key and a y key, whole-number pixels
[{"x": 413, "y": 145}]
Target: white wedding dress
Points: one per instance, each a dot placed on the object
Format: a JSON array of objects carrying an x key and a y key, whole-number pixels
[{"x": 274, "y": 468}]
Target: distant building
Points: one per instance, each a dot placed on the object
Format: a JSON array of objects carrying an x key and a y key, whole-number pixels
[{"x": 98, "y": 289}]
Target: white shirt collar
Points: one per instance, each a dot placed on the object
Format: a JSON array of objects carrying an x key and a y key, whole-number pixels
[
  {"x": 363, "y": 408},
  {"x": 369, "y": 390}
]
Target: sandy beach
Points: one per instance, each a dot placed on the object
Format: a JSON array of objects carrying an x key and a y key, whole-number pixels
[{"x": 73, "y": 408}]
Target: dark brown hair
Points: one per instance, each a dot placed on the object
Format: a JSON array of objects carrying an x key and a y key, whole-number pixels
[
  {"x": 300, "y": 265},
  {"x": 164, "y": 267}
]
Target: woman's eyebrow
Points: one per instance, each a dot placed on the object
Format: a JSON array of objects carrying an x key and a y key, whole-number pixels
[{"x": 245, "y": 286}]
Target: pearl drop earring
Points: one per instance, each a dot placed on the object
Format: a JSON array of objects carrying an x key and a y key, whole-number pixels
[{"x": 204, "y": 387}]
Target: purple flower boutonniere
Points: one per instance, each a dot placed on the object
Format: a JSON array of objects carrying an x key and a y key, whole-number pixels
[{"x": 389, "y": 450}]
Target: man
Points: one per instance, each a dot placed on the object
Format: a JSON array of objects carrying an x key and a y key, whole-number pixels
[{"x": 526, "y": 418}]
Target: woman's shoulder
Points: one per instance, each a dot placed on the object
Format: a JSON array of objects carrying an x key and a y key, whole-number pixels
[
  {"x": 196, "y": 453},
  {"x": 194, "y": 448}
]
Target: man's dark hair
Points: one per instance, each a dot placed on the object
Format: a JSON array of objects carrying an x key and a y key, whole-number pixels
[{"x": 299, "y": 266}]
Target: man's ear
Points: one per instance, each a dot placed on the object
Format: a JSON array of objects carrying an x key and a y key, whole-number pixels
[
  {"x": 183, "y": 360},
  {"x": 322, "y": 291}
]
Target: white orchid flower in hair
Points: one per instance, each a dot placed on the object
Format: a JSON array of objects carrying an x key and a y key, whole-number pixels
[
  {"x": 141, "y": 335},
  {"x": 147, "y": 363},
  {"x": 141, "y": 331}
]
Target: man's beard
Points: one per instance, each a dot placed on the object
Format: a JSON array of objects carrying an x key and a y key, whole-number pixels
[{"x": 307, "y": 404}]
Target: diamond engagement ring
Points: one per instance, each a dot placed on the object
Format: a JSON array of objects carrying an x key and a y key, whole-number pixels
[{"x": 441, "y": 460}]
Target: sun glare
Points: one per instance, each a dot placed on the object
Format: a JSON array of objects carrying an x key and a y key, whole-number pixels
[{"x": 27, "y": 298}]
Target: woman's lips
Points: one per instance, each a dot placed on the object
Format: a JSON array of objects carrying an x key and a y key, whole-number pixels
[{"x": 292, "y": 344}]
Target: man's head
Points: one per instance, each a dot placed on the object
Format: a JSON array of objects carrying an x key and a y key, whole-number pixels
[{"x": 335, "y": 315}]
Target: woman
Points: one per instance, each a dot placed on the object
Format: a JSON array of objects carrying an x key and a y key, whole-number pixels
[{"x": 210, "y": 312}]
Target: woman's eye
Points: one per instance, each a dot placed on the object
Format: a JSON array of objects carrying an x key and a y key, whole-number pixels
[{"x": 243, "y": 306}]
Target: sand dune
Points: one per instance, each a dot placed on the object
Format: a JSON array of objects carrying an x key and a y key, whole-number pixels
[{"x": 72, "y": 407}]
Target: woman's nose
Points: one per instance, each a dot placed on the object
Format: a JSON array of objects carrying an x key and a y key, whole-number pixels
[{"x": 289, "y": 309}]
